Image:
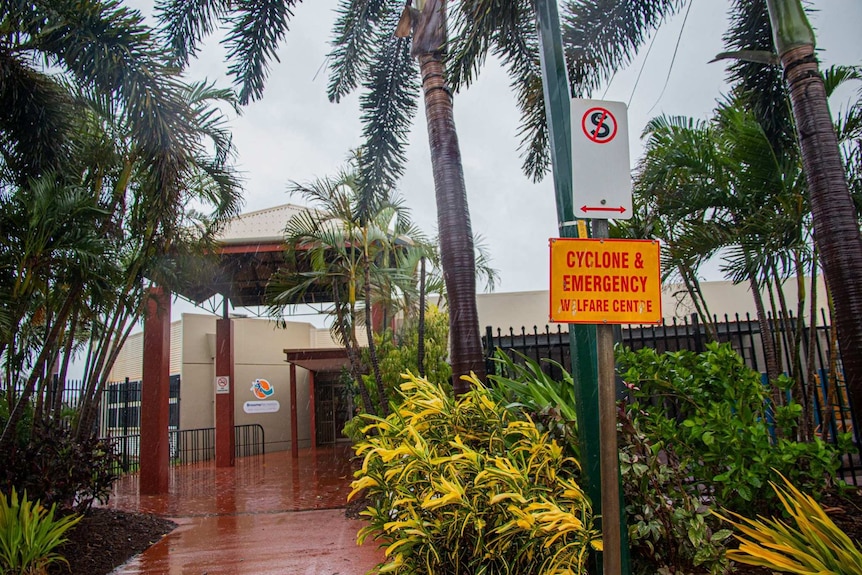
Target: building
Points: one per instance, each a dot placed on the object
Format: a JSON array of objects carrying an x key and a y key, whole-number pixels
[{"x": 288, "y": 378}]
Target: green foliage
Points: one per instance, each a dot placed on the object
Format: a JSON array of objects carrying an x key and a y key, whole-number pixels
[
  {"x": 465, "y": 486},
  {"x": 714, "y": 415},
  {"x": 669, "y": 526},
  {"x": 29, "y": 534},
  {"x": 695, "y": 431},
  {"x": 547, "y": 401},
  {"x": 57, "y": 468},
  {"x": 399, "y": 354},
  {"x": 816, "y": 545}
]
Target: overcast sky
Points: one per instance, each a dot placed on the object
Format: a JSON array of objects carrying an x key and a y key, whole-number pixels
[{"x": 295, "y": 133}]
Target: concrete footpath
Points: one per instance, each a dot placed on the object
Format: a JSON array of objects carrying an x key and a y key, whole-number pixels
[{"x": 268, "y": 515}]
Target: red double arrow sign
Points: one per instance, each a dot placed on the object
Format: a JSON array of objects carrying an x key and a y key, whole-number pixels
[{"x": 619, "y": 209}]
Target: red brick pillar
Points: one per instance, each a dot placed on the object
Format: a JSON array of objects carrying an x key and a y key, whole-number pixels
[
  {"x": 224, "y": 416},
  {"x": 294, "y": 425},
  {"x": 155, "y": 391}
]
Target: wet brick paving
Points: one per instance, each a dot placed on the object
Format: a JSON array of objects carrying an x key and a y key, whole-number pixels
[{"x": 268, "y": 515}]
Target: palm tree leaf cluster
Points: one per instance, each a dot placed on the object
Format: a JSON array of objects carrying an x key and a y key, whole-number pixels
[
  {"x": 254, "y": 31},
  {"x": 95, "y": 204},
  {"x": 360, "y": 261},
  {"x": 366, "y": 53}
]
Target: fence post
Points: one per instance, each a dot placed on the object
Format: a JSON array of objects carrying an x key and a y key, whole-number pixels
[
  {"x": 125, "y": 413},
  {"x": 489, "y": 346},
  {"x": 698, "y": 342}
]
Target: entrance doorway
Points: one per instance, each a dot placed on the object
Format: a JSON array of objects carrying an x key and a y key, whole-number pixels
[{"x": 333, "y": 406}]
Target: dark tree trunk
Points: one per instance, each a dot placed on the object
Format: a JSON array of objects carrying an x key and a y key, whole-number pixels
[
  {"x": 420, "y": 344},
  {"x": 834, "y": 215},
  {"x": 453, "y": 216},
  {"x": 382, "y": 396},
  {"x": 346, "y": 333}
]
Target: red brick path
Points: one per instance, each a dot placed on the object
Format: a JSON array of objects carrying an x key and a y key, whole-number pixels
[{"x": 265, "y": 516}]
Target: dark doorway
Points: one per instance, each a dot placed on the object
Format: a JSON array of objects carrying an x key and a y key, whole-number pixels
[{"x": 333, "y": 404}]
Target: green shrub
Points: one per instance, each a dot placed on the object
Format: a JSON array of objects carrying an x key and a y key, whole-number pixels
[
  {"x": 547, "y": 401},
  {"x": 398, "y": 353},
  {"x": 29, "y": 534},
  {"x": 695, "y": 435},
  {"x": 55, "y": 467},
  {"x": 467, "y": 486},
  {"x": 713, "y": 415},
  {"x": 670, "y": 528}
]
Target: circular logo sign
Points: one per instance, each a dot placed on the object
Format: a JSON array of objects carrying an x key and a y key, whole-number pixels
[
  {"x": 262, "y": 389},
  {"x": 599, "y": 125}
]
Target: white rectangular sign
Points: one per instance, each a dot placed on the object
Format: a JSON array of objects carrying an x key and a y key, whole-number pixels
[
  {"x": 601, "y": 175},
  {"x": 222, "y": 384}
]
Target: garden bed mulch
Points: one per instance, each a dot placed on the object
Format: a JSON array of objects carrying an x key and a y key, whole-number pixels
[{"x": 105, "y": 539}]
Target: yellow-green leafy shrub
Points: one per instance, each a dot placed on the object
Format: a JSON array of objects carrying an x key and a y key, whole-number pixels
[
  {"x": 466, "y": 487},
  {"x": 815, "y": 546},
  {"x": 29, "y": 534}
]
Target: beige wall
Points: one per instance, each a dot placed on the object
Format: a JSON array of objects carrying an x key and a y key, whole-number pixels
[
  {"x": 258, "y": 354},
  {"x": 528, "y": 309}
]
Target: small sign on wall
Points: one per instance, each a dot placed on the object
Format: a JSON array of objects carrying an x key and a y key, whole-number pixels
[
  {"x": 269, "y": 406},
  {"x": 222, "y": 384}
]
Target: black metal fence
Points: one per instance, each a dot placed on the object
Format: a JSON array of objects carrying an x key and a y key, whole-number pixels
[
  {"x": 192, "y": 445},
  {"x": 816, "y": 350},
  {"x": 120, "y": 420}
]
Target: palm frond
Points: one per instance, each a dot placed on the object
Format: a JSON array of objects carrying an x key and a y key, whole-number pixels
[
  {"x": 35, "y": 118},
  {"x": 602, "y": 36},
  {"x": 184, "y": 24},
  {"x": 256, "y": 30},
  {"x": 355, "y": 33},
  {"x": 761, "y": 87},
  {"x": 388, "y": 107}
]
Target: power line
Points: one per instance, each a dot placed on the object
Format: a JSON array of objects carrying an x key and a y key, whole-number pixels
[
  {"x": 641, "y": 71},
  {"x": 673, "y": 59}
]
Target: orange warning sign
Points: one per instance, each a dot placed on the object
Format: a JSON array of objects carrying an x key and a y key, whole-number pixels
[{"x": 605, "y": 281}]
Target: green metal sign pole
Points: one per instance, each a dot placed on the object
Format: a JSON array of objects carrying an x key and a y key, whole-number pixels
[{"x": 583, "y": 343}]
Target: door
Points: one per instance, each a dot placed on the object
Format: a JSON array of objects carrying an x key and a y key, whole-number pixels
[{"x": 333, "y": 407}]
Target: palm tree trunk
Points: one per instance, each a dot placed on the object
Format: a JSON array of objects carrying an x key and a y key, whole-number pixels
[
  {"x": 773, "y": 369},
  {"x": 345, "y": 332},
  {"x": 453, "y": 216},
  {"x": 382, "y": 396},
  {"x": 834, "y": 215},
  {"x": 420, "y": 344}
]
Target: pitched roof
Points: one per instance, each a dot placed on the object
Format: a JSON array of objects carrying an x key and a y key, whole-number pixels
[
  {"x": 261, "y": 226},
  {"x": 251, "y": 251}
]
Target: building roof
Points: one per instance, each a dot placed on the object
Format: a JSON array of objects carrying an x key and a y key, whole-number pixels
[
  {"x": 251, "y": 250},
  {"x": 262, "y": 226},
  {"x": 318, "y": 360}
]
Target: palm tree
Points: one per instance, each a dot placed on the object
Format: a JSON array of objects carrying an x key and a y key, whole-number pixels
[
  {"x": 353, "y": 258},
  {"x": 836, "y": 224},
  {"x": 101, "y": 184},
  {"x": 722, "y": 186}
]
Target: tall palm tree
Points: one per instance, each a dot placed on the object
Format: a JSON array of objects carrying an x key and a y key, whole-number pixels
[{"x": 836, "y": 224}]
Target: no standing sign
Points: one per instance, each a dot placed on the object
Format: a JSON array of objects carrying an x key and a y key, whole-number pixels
[{"x": 601, "y": 178}]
